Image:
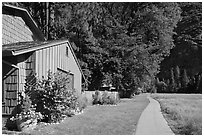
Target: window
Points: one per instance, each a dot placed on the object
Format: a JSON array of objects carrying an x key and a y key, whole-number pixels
[
  {"x": 70, "y": 75},
  {"x": 67, "y": 51}
]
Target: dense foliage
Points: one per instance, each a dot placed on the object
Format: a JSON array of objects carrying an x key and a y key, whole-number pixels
[
  {"x": 53, "y": 97},
  {"x": 118, "y": 43},
  {"x": 187, "y": 54},
  {"x": 180, "y": 82},
  {"x": 123, "y": 43},
  {"x": 186, "y": 57},
  {"x": 25, "y": 118},
  {"x": 104, "y": 98}
]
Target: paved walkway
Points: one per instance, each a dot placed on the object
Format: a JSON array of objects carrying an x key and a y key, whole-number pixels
[{"x": 152, "y": 122}]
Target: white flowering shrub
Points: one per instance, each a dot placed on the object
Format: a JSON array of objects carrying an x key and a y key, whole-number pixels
[{"x": 52, "y": 97}]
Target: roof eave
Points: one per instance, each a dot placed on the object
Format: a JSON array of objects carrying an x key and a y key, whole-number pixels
[
  {"x": 23, "y": 51},
  {"x": 6, "y": 53}
]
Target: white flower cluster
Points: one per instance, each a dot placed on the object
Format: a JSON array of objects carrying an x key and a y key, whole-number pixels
[{"x": 27, "y": 115}]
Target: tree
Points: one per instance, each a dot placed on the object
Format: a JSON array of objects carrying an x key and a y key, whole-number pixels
[
  {"x": 198, "y": 83},
  {"x": 172, "y": 82},
  {"x": 139, "y": 20},
  {"x": 119, "y": 42},
  {"x": 184, "y": 80},
  {"x": 124, "y": 40},
  {"x": 188, "y": 40},
  {"x": 177, "y": 77}
]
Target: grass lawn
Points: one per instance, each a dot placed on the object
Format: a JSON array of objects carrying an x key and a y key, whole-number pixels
[
  {"x": 183, "y": 112},
  {"x": 100, "y": 120}
]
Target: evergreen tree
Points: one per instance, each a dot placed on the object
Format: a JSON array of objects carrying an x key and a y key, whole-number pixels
[
  {"x": 184, "y": 80},
  {"x": 177, "y": 78},
  {"x": 188, "y": 41},
  {"x": 198, "y": 83},
  {"x": 172, "y": 81}
]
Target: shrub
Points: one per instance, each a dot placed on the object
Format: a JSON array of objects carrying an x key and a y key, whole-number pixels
[
  {"x": 97, "y": 98},
  {"x": 161, "y": 87},
  {"x": 27, "y": 117},
  {"x": 153, "y": 90},
  {"x": 52, "y": 97},
  {"x": 105, "y": 98},
  {"x": 112, "y": 100},
  {"x": 83, "y": 101}
]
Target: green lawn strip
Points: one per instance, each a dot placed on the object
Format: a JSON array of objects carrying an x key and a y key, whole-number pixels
[
  {"x": 183, "y": 112},
  {"x": 101, "y": 120}
]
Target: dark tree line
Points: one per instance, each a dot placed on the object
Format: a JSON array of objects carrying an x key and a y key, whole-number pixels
[
  {"x": 187, "y": 54},
  {"x": 180, "y": 82},
  {"x": 119, "y": 43}
]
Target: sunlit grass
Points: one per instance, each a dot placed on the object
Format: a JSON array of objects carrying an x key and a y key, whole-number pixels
[
  {"x": 118, "y": 119},
  {"x": 183, "y": 112}
]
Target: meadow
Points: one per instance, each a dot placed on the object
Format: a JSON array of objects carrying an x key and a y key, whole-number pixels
[{"x": 183, "y": 112}]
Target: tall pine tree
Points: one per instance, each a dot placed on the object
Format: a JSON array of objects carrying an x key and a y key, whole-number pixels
[
  {"x": 184, "y": 80},
  {"x": 177, "y": 78},
  {"x": 172, "y": 82}
]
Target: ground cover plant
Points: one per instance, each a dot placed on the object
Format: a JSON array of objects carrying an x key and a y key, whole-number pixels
[{"x": 183, "y": 112}]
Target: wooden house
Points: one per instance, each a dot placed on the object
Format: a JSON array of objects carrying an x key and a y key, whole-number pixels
[{"x": 25, "y": 51}]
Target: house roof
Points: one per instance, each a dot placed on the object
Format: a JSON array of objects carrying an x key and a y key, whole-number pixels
[
  {"x": 19, "y": 48},
  {"x": 21, "y": 12}
]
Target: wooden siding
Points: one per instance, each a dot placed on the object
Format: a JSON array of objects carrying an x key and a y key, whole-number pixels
[
  {"x": 74, "y": 68},
  {"x": 9, "y": 88},
  {"x": 55, "y": 57},
  {"x": 22, "y": 72},
  {"x": 15, "y": 30},
  {"x": 14, "y": 80},
  {"x": 30, "y": 68}
]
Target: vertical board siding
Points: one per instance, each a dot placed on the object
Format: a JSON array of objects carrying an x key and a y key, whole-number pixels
[
  {"x": 52, "y": 57},
  {"x": 47, "y": 60},
  {"x": 22, "y": 73},
  {"x": 36, "y": 61},
  {"x": 55, "y": 57},
  {"x": 44, "y": 64},
  {"x": 73, "y": 67},
  {"x": 40, "y": 64}
]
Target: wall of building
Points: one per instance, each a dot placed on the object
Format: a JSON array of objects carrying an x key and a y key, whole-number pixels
[
  {"x": 9, "y": 88},
  {"x": 56, "y": 57},
  {"x": 22, "y": 72},
  {"x": 15, "y": 30}
]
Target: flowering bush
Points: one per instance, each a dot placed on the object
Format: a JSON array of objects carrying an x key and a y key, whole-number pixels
[
  {"x": 53, "y": 97},
  {"x": 24, "y": 116},
  {"x": 27, "y": 118}
]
